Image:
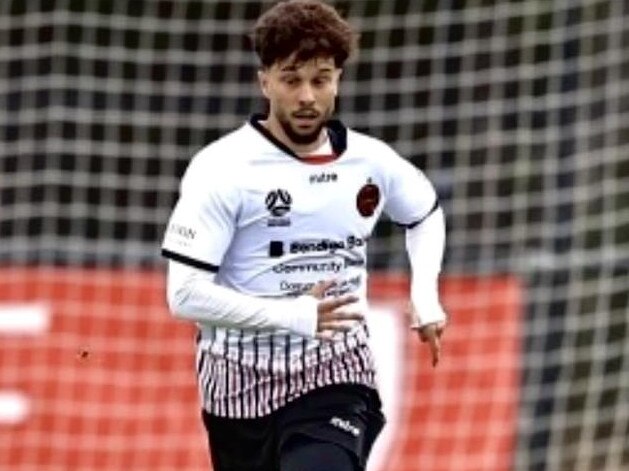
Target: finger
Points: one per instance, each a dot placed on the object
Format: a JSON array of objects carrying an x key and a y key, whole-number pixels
[
  {"x": 425, "y": 332},
  {"x": 349, "y": 316},
  {"x": 331, "y": 316},
  {"x": 328, "y": 331},
  {"x": 440, "y": 328},
  {"x": 435, "y": 350},
  {"x": 319, "y": 289},
  {"x": 325, "y": 335},
  {"x": 334, "y": 303},
  {"x": 429, "y": 330},
  {"x": 336, "y": 326}
]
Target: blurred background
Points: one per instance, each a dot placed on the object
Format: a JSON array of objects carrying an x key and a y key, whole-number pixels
[{"x": 518, "y": 111}]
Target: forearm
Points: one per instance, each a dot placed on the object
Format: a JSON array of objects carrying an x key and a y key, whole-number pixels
[
  {"x": 193, "y": 295},
  {"x": 425, "y": 245}
]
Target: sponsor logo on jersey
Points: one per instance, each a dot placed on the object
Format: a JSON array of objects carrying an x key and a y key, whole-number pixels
[
  {"x": 295, "y": 288},
  {"x": 345, "y": 286},
  {"x": 354, "y": 262},
  {"x": 182, "y": 231},
  {"x": 278, "y": 203},
  {"x": 325, "y": 245},
  {"x": 331, "y": 266},
  {"x": 276, "y": 248},
  {"x": 323, "y": 177},
  {"x": 367, "y": 199},
  {"x": 278, "y": 222}
]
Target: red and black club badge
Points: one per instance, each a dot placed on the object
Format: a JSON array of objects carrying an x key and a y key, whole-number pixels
[{"x": 367, "y": 199}]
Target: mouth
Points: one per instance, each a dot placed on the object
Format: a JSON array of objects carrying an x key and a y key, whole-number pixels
[
  {"x": 306, "y": 115},
  {"x": 305, "y": 119}
]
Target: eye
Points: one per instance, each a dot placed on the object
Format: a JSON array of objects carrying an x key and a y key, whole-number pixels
[
  {"x": 290, "y": 80},
  {"x": 320, "y": 81}
]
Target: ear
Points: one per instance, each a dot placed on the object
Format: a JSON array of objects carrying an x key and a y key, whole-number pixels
[
  {"x": 263, "y": 80},
  {"x": 337, "y": 78}
]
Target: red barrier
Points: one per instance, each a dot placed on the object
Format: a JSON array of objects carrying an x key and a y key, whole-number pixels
[
  {"x": 461, "y": 415},
  {"x": 110, "y": 385}
]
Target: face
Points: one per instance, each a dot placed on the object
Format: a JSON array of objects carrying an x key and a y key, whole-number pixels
[{"x": 301, "y": 96}]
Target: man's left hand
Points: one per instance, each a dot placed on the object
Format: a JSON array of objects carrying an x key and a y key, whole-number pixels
[{"x": 431, "y": 333}]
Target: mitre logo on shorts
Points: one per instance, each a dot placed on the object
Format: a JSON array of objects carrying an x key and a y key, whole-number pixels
[
  {"x": 278, "y": 204},
  {"x": 345, "y": 425},
  {"x": 367, "y": 199}
]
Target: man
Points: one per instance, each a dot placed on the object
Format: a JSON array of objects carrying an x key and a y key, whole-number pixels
[{"x": 267, "y": 254}]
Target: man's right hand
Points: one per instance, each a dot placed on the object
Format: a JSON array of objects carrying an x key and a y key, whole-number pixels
[{"x": 330, "y": 318}]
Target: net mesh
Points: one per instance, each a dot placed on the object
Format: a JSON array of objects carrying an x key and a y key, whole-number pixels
[{"x": 517, "y": 111}]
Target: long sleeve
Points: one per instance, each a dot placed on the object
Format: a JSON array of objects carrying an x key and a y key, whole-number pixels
[
  {"x": 193, "y": 295},
  {"x": 425, "y": 244}
]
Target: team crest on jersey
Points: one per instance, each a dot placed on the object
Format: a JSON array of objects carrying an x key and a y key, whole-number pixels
[
  {"x": 278, "y": 203},
  {"x": 367, "y": 199}
]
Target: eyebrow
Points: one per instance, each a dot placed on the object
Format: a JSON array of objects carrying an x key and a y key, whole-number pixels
[{"x": 292, "y": 68}]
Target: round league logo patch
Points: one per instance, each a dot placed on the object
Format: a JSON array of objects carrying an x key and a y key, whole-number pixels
[{"x": 367, "y": 199}]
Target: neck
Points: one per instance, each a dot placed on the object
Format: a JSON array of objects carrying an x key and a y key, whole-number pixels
[{"x": 275, "y": 128}]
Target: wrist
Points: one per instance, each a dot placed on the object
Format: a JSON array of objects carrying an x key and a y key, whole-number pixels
[{"x": 298, "y": 315}]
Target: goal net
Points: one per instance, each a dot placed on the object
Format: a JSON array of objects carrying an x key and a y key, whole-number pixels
[{"x": 518, "y": 111}]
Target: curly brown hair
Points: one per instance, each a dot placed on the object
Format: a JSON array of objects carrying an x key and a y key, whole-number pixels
[{"x": 306, "y": 28}]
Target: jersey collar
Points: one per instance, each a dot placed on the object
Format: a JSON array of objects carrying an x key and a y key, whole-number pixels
[{"x": 337, "y": 133}]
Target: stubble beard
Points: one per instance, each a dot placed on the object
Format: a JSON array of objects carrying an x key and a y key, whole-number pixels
[{"x": 299, "y": 138}]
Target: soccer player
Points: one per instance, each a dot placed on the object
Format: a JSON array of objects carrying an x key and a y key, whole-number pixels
[{"x": 267, "y": 255}]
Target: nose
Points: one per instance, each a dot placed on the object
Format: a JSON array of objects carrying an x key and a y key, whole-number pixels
[{"x": 306, "y": 94}]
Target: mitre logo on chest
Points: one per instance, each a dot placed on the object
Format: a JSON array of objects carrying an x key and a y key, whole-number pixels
[
  {"x": 278, "y": 202},
  {"x": 323, "y": 177}
]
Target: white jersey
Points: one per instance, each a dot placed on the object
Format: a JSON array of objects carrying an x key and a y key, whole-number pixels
[{"x": 271, "y": 224}]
